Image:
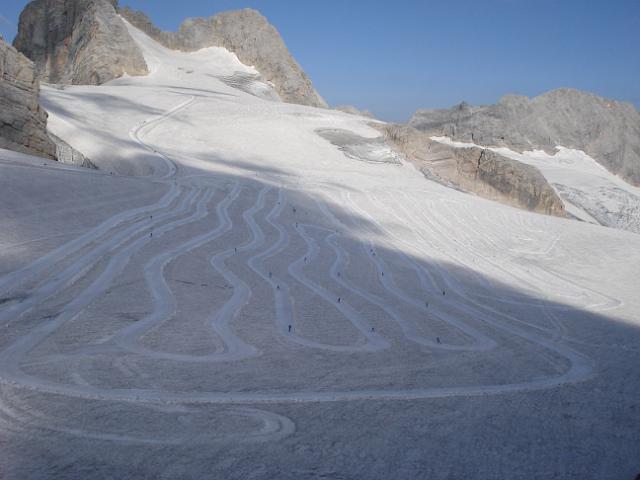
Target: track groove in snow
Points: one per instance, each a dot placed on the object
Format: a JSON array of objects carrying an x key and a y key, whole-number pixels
[{"x": 265, "y": 242}]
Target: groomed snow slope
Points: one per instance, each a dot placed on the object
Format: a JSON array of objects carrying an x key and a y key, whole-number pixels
[{"x": 253, "y": 303}]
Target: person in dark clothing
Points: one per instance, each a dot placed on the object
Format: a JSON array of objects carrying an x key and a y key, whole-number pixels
[{"x": 289, "y": 328}]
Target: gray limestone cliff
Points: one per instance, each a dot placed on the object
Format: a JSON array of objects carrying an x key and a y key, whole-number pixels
[
  {"x": 607, "y": 130},
  {"x": 78, "y": 41},
  {"x": 23, "y": 123},
  {"x": 66, "y": 154},
  {"x": 247, "y": 34},
  {"x": 476, "y": 170}
]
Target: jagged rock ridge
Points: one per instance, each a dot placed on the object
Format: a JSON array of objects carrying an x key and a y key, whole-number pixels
[
  {"x": 607, "y": 130},
  {"x": 247, "y": 34},
  {"x": 476, "y": 170},
  {"x": 23, "y": 123},
  {"x": 78, "y": 41}
]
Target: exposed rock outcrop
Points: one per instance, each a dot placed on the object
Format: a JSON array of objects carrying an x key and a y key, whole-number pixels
[
  {"x": 66, "y": 154},
  {"x": 607, "y": 130},
  {"x": 247, "y": 34},
  {"x": 476, "y": 170},
  {"x": 78, "y": 41},
  {"x": 363, "y": 149},
  {"x": 354, "y": 111},
  {"x": 23, "y": 123}
]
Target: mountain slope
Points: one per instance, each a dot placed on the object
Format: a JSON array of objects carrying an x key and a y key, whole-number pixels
[
  {"x": 607, "y": 130},
  {"x": 247, "y": 34},
  {"x": 85, "y": 42},
  {"x": 259, "y": 302}
]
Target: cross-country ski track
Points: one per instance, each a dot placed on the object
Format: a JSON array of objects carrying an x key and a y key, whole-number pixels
[{"x": 246, "y": 280}]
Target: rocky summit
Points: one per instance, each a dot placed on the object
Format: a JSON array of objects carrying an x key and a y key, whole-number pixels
[
  {"x": 247, "y": 34},
  {"x": 607, "y": 130}
]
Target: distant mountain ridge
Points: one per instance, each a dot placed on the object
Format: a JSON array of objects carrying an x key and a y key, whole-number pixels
[
  {"x": 607, "y": 130},
  {"x": 87, "y": 42}
]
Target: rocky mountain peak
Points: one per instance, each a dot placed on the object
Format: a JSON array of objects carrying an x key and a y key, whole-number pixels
[
  {"x": 249, "y": 35},
  {"x": 86, "y": 42},
  {"x": 72, "y": 41},
  {"x": 607, "y": 130}
]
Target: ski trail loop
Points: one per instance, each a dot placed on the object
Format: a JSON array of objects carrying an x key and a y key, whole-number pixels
[{"x": 115, "y": 243}]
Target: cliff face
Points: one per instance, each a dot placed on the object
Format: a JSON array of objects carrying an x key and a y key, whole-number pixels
[
  {"x": 78, "y": 41},
  {"x": 476, "y": 170},
  {"x": 247, "y": 34},
  {"x": 86, "y": 42},
  {"x": 607, "y": 130},
  {"x": 23, "y": 123}
]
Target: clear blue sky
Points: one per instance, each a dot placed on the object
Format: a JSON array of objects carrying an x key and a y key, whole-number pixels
[{"x": 393, "y": 57}]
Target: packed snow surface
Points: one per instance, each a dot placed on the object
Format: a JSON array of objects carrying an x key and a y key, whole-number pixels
[{"x": 231, "y": 296}]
